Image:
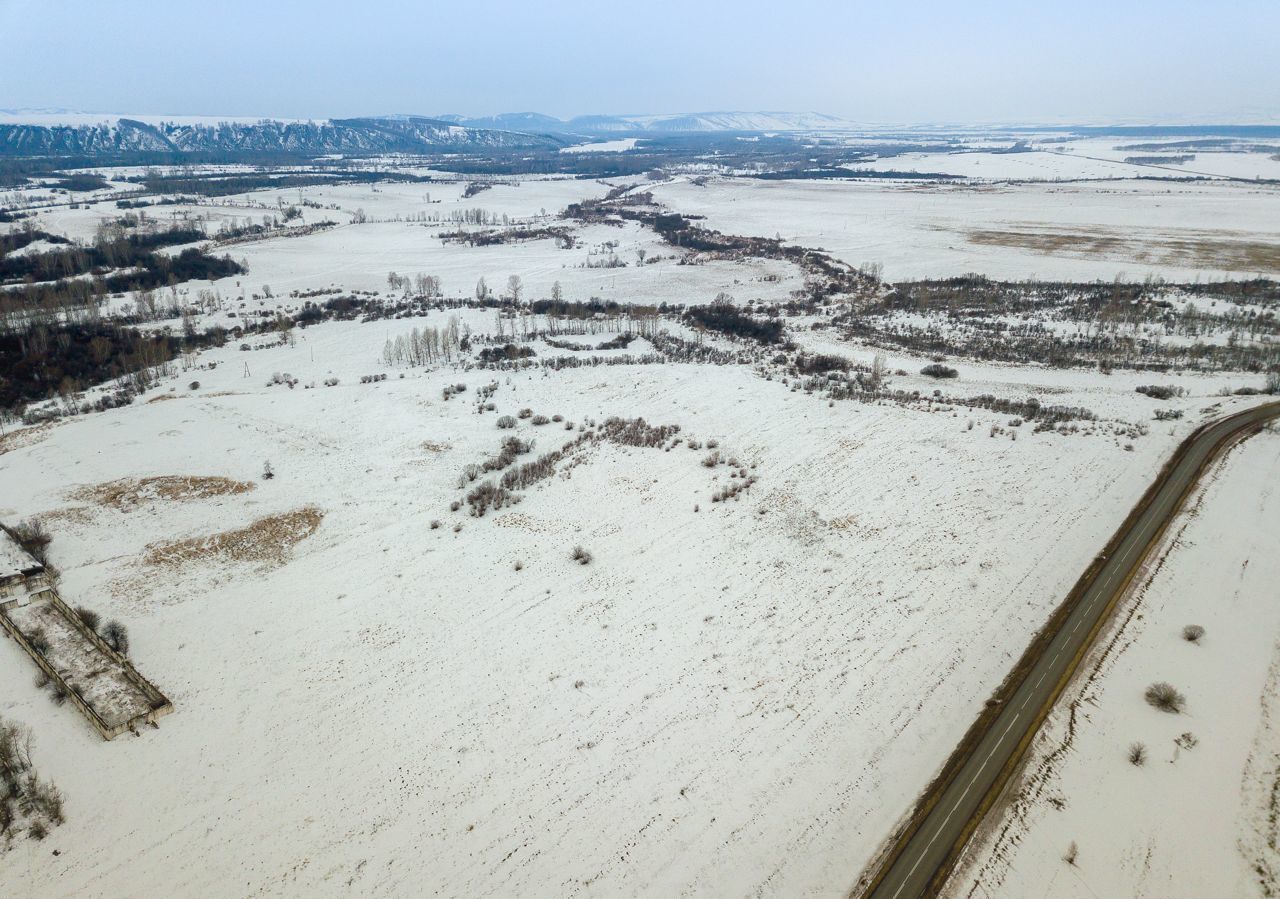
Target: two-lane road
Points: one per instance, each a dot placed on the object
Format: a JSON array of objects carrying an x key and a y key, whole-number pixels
[{"x": 923, "y": 855}]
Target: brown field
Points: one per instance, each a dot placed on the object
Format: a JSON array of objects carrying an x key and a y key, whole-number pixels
[{"x": 1187, "y": 250}]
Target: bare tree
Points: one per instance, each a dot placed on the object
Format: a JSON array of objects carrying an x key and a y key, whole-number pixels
[
  {"x": 878, "y": 369},
  {"x": 515, "y": 287},
  {"x": 117, "y": 636},
  {"x": 482, "y": 289}
]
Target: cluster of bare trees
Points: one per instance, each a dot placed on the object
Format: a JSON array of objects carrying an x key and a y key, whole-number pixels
[
  {"x": 427, "y": 286},
  {"x": 503, "y": 492},
  {"x": 426, "y": 346},
  {"x": 26, "y": 801}
]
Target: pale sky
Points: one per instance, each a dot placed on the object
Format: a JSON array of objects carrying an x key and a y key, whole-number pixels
[{"x": 907, "y": 62}]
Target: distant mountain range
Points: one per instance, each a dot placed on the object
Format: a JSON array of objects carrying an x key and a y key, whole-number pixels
[
  {"x": 393, "y": 134},
  {"x": 65, "y": 133},
  {"x": 684, "y": 123}
]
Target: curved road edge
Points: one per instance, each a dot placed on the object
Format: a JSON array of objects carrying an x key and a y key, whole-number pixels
[{"x": 918, "y": 860}]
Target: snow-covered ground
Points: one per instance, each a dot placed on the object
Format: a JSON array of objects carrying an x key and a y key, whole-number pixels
[
  {"x": 938, "y": 230},
  {"x": 1198, "y": 817},
  {"x": 683, "y": 714},
  {"x": 621, "y": 145},
  {"x": 359, "y": 257},
  {"x": 1086, "y": 160},
  {"x": 732, "y": 698}
]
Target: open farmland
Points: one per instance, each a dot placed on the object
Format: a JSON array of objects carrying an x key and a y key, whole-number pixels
[
  {"x": 574, "y": 536},
  {"x": 718, "y": 702},
  {"x": 1086, "y": 230}
]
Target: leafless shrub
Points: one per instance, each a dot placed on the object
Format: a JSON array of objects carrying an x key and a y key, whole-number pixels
[
  {"x": 1187, "y": 741},
  {"x": 38, "y": 640},
  {"x": 1192, "y": 633},
  {"x": 581, "y": 556},
  {"x": 636, "y": 432},
  {"x": 1073, "y": 851},
  {"x": 117, "y": 636},
  {"x": 711, "y": 460},
  {"x": 46, "y": 798},
  {"x": 519, "y": 565},
  {"x": 937, "y": 370},
  {"x": 524, "y": 413},
  {"x": 91, "y": 618},
  {"x": 506, "y": 421},
  {"x": 435, "y": 523},
  {"x": 1165, "y": 697},
  {"x": 539, "y": 420},
  {"x": 1137, "y": 753},
  {"x": 32, "y": 536},
  {"x": 488, "y": 495}
]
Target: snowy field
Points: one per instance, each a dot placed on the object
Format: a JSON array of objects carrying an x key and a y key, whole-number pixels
[
  {"x": 1198, "y": 816},
  {"x": 1093, "y": 159},
  {"x": 1079, "y": 231},
  {"x": 378, "y": 695},
  {"x": 359, "y": 258},
  {"x": 680, "y": 715}
]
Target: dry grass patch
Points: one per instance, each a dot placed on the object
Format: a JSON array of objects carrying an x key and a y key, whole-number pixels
[
  {"x": 129, "y": 493},
  {"x": 67, "y": 515},
  {"x": 265, "y": 541},
  {"x": 24, "y": 437}
]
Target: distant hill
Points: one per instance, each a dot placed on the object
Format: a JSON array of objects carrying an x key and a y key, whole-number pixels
[
  {"x": 697, "y": 122},
  {"x": 392, "y": 134}
]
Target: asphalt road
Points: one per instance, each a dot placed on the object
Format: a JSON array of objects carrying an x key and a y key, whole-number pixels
[{"x": 921, "y": 858}]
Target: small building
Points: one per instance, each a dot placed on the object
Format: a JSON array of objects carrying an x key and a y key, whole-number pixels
[{"x": 22, "y": 578}]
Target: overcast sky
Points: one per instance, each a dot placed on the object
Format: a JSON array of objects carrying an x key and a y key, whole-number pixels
[{"x": 922, "y": 61}]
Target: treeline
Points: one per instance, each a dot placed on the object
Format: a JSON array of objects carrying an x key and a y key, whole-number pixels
[
  {"x": 110, "y": 251},
  {"x": 219, "y": 185},
  {"x": 49, "y": 361},
  {"x": 852, "y": 174},
  {"x": 16, "y": 240}
]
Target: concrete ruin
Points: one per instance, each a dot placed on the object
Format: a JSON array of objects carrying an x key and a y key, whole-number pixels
[{"x": 79, "y": 664}]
